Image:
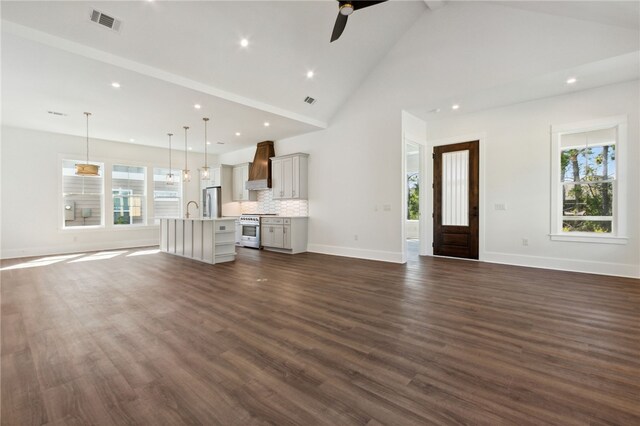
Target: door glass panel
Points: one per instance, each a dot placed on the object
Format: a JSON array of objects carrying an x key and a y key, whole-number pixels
[{"x": 455, "y": 188}]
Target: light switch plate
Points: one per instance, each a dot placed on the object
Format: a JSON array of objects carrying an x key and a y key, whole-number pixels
[{"x": 500, "y": 206}]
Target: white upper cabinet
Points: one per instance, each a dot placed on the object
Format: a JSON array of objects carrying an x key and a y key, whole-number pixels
[
  {"x": 240, "y": 177},
  {"x": 289, "y": 176}
]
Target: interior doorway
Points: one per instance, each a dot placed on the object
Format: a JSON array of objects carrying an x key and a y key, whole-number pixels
[
  {"x": 412, "y": 196},
  {"x": 456, "y": 198}
]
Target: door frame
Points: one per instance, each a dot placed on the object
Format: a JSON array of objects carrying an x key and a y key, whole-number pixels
[
  {"x": 422, "y": 200},
  {"x": 427, "y": 229}
]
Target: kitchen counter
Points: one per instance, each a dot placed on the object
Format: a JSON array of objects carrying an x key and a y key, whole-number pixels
[{"x": 209, "y": 240}]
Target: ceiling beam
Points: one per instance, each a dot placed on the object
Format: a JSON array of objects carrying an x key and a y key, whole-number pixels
[{"x": 140, "y": 68}]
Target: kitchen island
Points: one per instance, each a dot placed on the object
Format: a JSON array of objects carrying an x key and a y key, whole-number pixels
[{"x": 202, "y": 239}]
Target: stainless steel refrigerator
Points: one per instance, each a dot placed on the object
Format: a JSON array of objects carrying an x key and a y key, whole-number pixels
[{"x": 211, "y": 202}]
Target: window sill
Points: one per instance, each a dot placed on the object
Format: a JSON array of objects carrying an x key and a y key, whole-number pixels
[
  {"x": 589, "y": 238},
  {"x": 116, "y": 228}
]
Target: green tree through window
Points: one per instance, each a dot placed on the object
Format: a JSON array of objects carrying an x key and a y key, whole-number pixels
[{"x": 413, "y": 196}]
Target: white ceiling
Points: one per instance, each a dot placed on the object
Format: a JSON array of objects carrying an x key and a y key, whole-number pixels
[
  {"x": 194, "y": 47},
  {"x": 41, "y": 79},
  {"x": 624, "y": 13},
  {"x": 170, "y": 55},
  {"x": 613, "y": 70}
]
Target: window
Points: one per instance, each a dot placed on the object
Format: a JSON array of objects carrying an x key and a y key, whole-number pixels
[
  {"x": 167, "y": 199},
  {"x": 128, "y": 188},
  {"x": 413, "y": 196},
  {"x": 588, "y": 193},
  {"x": 81, "y": 196}
]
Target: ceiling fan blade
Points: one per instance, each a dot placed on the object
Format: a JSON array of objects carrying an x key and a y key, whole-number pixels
[
  {"x": 338, "y": 28},
  {"x": 362, "y": 4}
]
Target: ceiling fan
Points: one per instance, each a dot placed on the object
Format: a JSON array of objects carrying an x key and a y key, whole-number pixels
[{"x": 346, "y": 8}]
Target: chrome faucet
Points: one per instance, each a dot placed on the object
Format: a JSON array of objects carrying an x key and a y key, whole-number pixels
[{"x": 189, "y": 203}]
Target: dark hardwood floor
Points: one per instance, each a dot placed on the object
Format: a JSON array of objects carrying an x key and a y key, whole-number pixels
[{"x": 313, "y": 339}]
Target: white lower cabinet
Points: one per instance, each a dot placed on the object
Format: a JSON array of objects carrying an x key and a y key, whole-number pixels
[{"x": 285, "y": 234}]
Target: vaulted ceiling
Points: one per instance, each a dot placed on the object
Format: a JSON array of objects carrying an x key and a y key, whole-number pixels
[{"x": 170, "y": 55}]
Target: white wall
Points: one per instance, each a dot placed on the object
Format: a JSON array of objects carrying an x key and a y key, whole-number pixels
[
  {"x": 517, "y": 172},
  {"x": 31, "y": 192},
  {"x": 355, "y": 166}
]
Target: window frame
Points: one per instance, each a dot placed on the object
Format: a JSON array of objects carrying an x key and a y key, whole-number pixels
[
  {"x": 143, "y": 197},
  {"x": 61, "y": 194},
  {"x": 619, "y": 207},
  {"x": 152, "y": 197}
]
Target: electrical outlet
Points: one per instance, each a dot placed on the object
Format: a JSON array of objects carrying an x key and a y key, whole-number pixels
[
  {"x": 500, "y": 206},
  {"x": 525, "y": 242},
  {"x": 355, "y": 237}
]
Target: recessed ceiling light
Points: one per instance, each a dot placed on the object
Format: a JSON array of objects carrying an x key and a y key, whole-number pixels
[
  {"x": 132, "y": 140},
  {"x": 456, "y": 106},
  {"x": 190, "y": 148},
  {"x": 197, "y": 106},
  {"x": 244, "y": 42},
  {"x": 266, "y": 124},
  {"x": 115, "y": 84},
  {"x": 309, "y": 74},
  {"x": 571, "y": 80},
  {"x": 208, "y": 143},
  {"x": 237, "y": 133}
]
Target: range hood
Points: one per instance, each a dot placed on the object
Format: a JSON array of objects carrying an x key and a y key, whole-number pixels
[{"x": 260, "y": 170}]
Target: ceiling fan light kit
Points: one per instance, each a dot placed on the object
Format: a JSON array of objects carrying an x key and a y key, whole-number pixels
[{"x": 346, "y": 8}]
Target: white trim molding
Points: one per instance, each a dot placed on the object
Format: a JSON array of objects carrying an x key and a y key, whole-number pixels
[
  {"x": 561, "y": 264},
  {"x": 379, "y": 255}
]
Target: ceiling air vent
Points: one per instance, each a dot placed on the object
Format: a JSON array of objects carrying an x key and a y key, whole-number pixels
[
  {"x": 60, "y": 114},
  {"x": 310, "y": 100},
  {"x": 105, "y": 20}
]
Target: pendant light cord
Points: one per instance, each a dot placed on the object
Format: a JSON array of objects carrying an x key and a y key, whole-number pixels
[
  {"x": 87, "y": 114},
  {"x": 205, "y": 141},
  {"x": 170, "y": 170},
  {"x": 185, "y": 148}
]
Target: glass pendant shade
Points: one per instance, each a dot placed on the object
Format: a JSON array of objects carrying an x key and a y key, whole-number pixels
[
  {"x": 186, "y": 175},
  {"x": 87, "y": 169},
  {"x": 204, "y": 173},
  {"x": 169, "y": 179}
]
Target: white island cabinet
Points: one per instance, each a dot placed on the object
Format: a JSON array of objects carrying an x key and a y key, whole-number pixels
[{"x": 206, "y": 240}]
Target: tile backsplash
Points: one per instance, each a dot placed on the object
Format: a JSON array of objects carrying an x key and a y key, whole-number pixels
[{"x": 267, "y": 205}]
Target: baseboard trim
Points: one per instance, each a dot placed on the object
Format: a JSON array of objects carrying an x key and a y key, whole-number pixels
[
  {"x": 76, "y": 248},
  {"x": 382, "y": 256},
  {"x": 563, "y": 264}
]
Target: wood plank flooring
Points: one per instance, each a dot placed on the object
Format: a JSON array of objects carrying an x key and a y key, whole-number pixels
[{"x": 146, "y": 338}]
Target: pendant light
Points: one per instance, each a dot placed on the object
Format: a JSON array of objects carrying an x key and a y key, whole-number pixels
[
  {"x": 170, "y": 174},
  {"x": 186, "y": 175},
  {"x": 204, "y": 172},
  {"x": 87, "y": 169}
]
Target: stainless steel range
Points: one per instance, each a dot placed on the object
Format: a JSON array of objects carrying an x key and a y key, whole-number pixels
[
  {"x": 250, "y": 229},
  {"x": 250, "y": 234}
]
